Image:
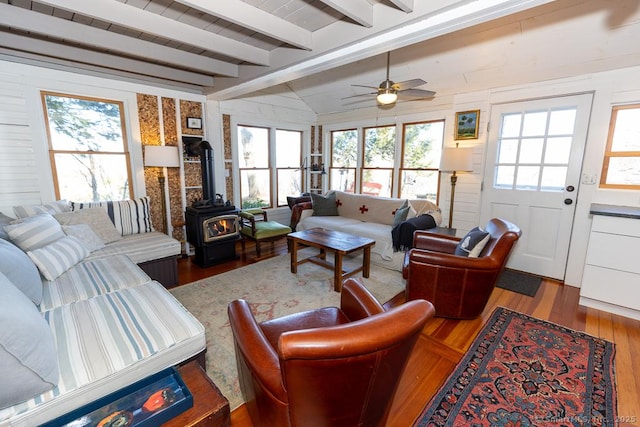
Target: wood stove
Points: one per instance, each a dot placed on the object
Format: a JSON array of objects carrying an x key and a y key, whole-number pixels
[{"x": 213, "y": 231}]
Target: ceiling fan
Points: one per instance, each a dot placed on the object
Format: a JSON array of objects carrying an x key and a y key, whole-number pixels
[{"x": 388, "y": 91}]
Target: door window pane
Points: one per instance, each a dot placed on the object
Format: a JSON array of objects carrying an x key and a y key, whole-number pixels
[
  {"x": 90, "y": 155},
  {"x": 542, "y": 159}
]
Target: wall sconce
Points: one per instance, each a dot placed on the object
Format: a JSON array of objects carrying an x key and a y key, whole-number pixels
[
  {"x": 455, "y": 160},
  {"x": 163, "y": 156}
]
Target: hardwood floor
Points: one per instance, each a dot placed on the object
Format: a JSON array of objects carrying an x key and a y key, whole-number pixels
[{"x": 444, "y": 341}]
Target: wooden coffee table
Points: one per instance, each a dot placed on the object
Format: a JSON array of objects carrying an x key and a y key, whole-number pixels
[{"x": 338, "y": 242}]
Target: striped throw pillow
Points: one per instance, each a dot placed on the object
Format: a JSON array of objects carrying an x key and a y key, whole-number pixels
[
  {"x": 59, "y": 256},
  {"x": 129, "y": 216},
  {"x": 34, "y": 232},
  {"x": 25, "y": 211}
]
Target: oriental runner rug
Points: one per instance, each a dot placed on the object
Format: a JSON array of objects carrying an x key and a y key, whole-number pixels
[
  {"x": 522, "y": 371},
  {"x": 272, "y": 291}
]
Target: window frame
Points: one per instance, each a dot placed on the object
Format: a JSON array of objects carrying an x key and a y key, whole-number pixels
[
  {"x": 269, "y": 167},
  {"x": 609, "y": 154},
  {"x": 53, "y": 152},
  {"x": 332, "y": 167},
  {"x": 297, "y": 168},
  {"x": 366, "y": 168}
]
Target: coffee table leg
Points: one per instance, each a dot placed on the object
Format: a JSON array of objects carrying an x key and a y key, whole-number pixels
[
  {"x": 366, "y": 261},
  {"x": 337, "y": 272},
  {"x": 294, "y": 255}
]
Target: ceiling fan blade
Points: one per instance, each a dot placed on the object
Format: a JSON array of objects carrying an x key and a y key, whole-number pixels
[
  {"x": 409, "y": 84},
  {"x": 368, "y": 87},
  {"x": 359, "y": 95},
  {"x": 421, "y": 93}
]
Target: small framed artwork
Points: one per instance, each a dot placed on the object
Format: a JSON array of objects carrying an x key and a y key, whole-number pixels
[
  {"x": 467, "y": 124},
  {"x": 194, "y": 123}
]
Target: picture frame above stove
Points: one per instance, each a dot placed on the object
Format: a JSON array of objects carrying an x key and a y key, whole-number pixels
[{"x": 194, "y": 123}]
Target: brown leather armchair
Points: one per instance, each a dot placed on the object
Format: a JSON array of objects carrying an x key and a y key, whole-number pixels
[
  {"x": 458, "y": 287},
  {"x": 326, "y": 367}
]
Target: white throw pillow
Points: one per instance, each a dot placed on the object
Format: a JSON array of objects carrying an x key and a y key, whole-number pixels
[
  {"x": 25, "y": 211},
  {"x": 85, "y": 234},
  {"x": 96, "y": 218},
  {"x": 57, "y": 257},
  {"x": 34, "y": 232}
]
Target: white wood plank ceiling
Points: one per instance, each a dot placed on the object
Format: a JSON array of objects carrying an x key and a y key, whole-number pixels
[{"x": 231, "y": 48}]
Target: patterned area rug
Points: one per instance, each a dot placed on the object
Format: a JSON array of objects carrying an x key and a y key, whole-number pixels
[
  {"x": 273, "y": 291},
  {"x": 522, "y": 371}
]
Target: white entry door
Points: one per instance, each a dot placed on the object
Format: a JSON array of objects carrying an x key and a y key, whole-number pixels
[{"x": 532, "y": 174}]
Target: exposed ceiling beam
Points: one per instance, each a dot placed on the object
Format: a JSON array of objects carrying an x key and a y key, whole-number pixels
[
  {"x": 361, "y": 11},
  {"x": 39, "y": 23},
  {"x": 151, "y": 23},
  {"x": 456, "y": 17},
  {"x": 403, "y": 5},
  {"x": 112, "y": 62},
  {"x": 248, "y": 16}
]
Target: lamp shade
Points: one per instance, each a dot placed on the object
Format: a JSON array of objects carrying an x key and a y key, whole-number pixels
[
  {"x": 161, "y": 156},
  {"x": 457, "y": 160}
]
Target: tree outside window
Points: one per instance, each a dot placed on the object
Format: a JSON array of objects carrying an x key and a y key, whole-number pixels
[
  {"x": 255, "y": 170},
  {"x": 621, "y": 166},
  {"x": 379, "y": 157},
  {"x": 88, "y": 148},
  {"x": 288, "y": 160},
  {"x": 344, "y": 155},
  {"x": 421, "y": 151}
]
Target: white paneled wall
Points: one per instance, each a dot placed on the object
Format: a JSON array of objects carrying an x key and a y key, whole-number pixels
[{"x": 18, "y": 168}]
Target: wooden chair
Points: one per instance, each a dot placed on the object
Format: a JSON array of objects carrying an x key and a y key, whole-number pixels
[{"x": 254, "y": 225}]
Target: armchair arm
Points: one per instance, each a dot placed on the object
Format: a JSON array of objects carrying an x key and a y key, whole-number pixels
[
  {"x": 356, "y": 302},
  {"x": 260, "y": 357},
  {"x": 435, "y": 242},
  {"x": 296, "y": 213},
  {"x": 449, "y": 260}
]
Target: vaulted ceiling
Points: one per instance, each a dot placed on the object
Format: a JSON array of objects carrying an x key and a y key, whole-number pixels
[{"x": 318, "y": 49}]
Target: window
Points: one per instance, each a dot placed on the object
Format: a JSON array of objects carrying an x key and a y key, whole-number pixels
[
  {"x": 534, "y": 149},
  {"x": 621, "y": 167},
  {"x": 88, "y": 148},
  {"x": 379, "y": 157},
  {"x": 422, "y": 148},
  {"x": 255, "y": 180},
  {"x": 288, "y": 159},
  {"x": 418, "y": 172},
  {"x": 344, "y": 155},
  {"x": 256, "y": 157}
]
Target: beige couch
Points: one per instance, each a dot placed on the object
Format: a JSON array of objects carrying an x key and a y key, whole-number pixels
[
  {"x": 77, "y": 324},
  {"x": 372, "y": 217}
]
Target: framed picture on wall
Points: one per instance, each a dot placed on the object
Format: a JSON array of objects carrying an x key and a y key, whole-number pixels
[
  {"x": 467, "y": 124},
  {"x": 194, "y": 123}
]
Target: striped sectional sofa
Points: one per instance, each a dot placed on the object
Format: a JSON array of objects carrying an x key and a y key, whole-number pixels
[{"x": 75, "y": 324}]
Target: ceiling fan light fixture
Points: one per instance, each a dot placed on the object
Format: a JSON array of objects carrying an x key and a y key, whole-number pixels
[{"x": 387, "y": 96}]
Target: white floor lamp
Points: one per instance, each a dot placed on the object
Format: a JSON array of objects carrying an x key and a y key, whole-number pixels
[
  {"x": 455, "y": 160},
  {"x": 162, "y": 156}
]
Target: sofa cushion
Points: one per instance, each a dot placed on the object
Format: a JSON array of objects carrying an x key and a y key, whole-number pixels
[
  {"x": 91, "y": 278},
  {"x": 21, "y": 271},
  {"x": 52, "y": 208},
  {"x": 27, "y": 348},
  {"x": 368, "y": 208},
  {"x": 141, "y": 247},
  {"x": 96, "y": 218},
  {"x": 110, "y": 341},
  {"x": 128, "y": 216},
  {"x": 59, "y": 256},
  {"x": 473, "y": 243},
  {"x": 85, "y": 234},
  {"x": 34, "y": 232},
  {"x": 324, "y": 205}
]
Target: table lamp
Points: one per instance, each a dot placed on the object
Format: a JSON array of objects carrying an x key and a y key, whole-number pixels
[{"x": 163, "y": 156}]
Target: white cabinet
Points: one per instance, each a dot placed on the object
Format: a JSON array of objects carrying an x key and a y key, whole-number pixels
[{"x": 611, "y": 277}]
